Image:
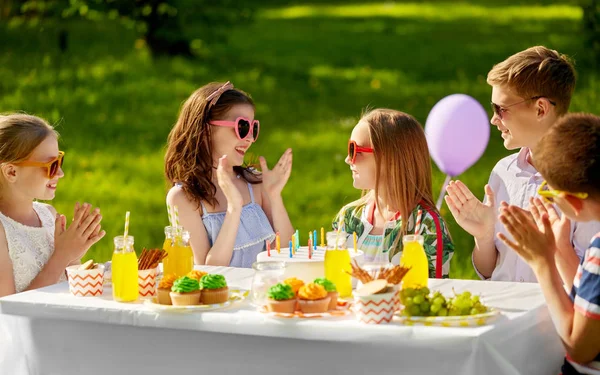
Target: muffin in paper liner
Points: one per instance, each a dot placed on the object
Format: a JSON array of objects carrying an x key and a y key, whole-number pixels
[
  {"x": 185, "y": 299},
  {"x": 287, "y": 306},
  {"x": 376, "y": 308},
  {"x": 86, "y": 283},
  {"x": 314, "y": 306},
  {"x": 214, "y": 296}
]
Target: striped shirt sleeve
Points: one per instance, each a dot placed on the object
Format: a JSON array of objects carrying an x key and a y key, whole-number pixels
[{"x": 587, "y": 282}]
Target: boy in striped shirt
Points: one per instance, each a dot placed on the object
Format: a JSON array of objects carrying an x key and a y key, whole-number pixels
[{"x": 568, "y": 157}]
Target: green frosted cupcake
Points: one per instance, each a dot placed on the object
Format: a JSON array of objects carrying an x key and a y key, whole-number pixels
[
  {"x": 282, "y": 299},
  {"x": 185, "y": 292},
  {"x": 214, "y": 289},
  {"x": 331, "y": 291}
]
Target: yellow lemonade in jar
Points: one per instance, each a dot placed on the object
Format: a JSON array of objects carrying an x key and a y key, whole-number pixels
[
  {"x": 180, "y": 260},
  {"x": 168, "y": 266},
  {"x": 413, "y": 256},
  {"x": 336, "y": 261},
  {"x": 124, "y": 270}
]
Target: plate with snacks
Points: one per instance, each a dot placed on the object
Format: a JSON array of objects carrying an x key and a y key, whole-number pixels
[
  {"x": 235, "y": 295},
  {"x": 424, "y": 307},
  {"x": 318, "y": 299}
]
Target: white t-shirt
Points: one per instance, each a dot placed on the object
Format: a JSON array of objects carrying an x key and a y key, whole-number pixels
[{"x": 514, "y": 180}]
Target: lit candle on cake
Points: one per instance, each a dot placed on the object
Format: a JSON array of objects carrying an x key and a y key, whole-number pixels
[
  {"x": 297, "y": 239},
  {"x": 268, "y": 244},
  {"x": 322, "y": 237},
  {"x": 315, "y": 239},
  {"x": 278, "y": 243},
  {"x": 293, "y": 244},
  {"x": 309, "y": 248},
  {"x": 290, "y": 248}
]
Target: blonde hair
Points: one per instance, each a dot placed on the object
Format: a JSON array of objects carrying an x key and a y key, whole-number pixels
[
  {"x": 537, "y": 71},
  {"x": 400, "y": 147},
  {"x": 20, "y": 134}
]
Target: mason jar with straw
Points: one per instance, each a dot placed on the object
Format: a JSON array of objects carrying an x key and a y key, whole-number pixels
[
  {"x": 180, "y": 258},
  {"x": 125, "y": 267}
]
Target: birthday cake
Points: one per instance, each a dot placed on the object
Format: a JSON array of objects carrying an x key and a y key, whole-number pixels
[{"x": 300, "y": 265}]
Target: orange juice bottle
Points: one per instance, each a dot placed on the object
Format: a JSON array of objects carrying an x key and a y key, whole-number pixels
[
  {"x": 337, "y": 259},
  {"x": 413, "y": 256},
  {"x": 180, "y": 258},
  {"x": 124, "y": 270}
]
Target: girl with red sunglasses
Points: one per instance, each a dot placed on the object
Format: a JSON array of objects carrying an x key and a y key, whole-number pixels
[
  {"x": 229, "y": 208},
  {"x": 35, "y": 244},
  {"x": 389, "y": 161}
]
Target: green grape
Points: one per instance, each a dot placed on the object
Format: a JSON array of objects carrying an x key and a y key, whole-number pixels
[
  {"x": 418, "y": 299},
  {"x": 435, "y": 308},
  {"x": 438, "y": 301},
  {"x": 410, "y": 292},
  {"x": 407, "y": 301},
  {"x": 466, "y": 294},
  {"x": 414, "y": 310},
  {"x": 475, "y": 299},
  {"x": 424, "y": 306},
  {"x": 443, "y": 312},
  {"x": 474, "y": 311},
  {"x": 425, "y": 290}
]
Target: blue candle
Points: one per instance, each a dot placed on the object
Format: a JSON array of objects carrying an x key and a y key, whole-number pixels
[
  {"x": 290, "y": 248},
  {"x": 314, "y": 240}
]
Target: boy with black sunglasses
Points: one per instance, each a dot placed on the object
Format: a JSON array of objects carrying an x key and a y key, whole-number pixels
[{"x": 530, "y": 91}]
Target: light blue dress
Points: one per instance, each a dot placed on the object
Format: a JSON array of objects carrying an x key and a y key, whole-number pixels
[{"x": 254, "y": 229}]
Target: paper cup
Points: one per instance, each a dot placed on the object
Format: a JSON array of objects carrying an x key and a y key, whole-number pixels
[
  {"x": 376, "y": 308},
  {"x": 147, "y": 282},
  {"x": 85, "y": 283}
]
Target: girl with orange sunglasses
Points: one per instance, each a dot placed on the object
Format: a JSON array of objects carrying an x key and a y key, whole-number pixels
[{"x": 35, "y": 244}]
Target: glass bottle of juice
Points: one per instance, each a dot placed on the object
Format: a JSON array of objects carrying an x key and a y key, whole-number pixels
[
  {"x": 413, "y": 256},
  {"x": 124, "y": 270},
  {"x": 337, "y": 259},
  {"x": 180, "y": 258},
  {"x": 168, "y": 267}
]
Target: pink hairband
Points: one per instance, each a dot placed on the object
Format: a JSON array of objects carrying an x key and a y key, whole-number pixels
[{"x": 214, "y": 97}]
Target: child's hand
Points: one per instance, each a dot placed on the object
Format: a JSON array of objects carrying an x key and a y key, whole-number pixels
[
  {"x": 226, "y": 183},
  {"x": 84, "y": 231},
  {"x": 533, "y": 244},
  {"x": 472, "y": 215},
  {"x": 561, "y": 225},
  {"x": 275, "y": 179}
]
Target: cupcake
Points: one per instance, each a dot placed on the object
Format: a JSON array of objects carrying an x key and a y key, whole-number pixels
[
  {"x": 195, "y": 274},
  {"x": 214, "y": 289},
  {"x": 164, "y": 289},
  {"x": 281, "y": 299},
  {"x": 185, "y": 292},
  {"x": 331, "y": 291},
  {"x": 295, "y": 283},
  {"x": 313, "y": 298}
]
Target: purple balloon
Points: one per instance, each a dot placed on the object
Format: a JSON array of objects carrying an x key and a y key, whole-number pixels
[{"x": 457, "y": 131}]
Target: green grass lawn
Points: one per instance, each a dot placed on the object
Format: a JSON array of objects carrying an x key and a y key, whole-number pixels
[{"x": 310, "y": 68}]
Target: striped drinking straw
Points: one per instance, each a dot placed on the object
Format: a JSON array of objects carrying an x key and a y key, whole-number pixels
[
  {"x": 126, "y": 227},
  {"x": 418, "y": 223}
]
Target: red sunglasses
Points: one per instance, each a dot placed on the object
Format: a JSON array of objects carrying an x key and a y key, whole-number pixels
[
  {"x": 242, "y": 127},
  {"x": 51, "y": 166},
  {"x": 354, "y": 149}
]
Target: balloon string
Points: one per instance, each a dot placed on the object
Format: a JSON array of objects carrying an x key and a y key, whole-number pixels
[{"x": 443, "y": 192}]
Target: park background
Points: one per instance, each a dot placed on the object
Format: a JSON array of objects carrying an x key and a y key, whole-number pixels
[{"x": 111, "y": 75}]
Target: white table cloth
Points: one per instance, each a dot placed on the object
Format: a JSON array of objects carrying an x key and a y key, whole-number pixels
[{"x": 50, "y": 332}]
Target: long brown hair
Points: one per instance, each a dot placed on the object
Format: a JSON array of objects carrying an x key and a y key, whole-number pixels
[
  {"x": 402, "y": 162},
  {"x": 189, "y": 159},
  {"x": 20, "y": 134}
]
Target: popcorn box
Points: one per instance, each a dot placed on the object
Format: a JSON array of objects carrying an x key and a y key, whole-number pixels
[
  {"x": 376, "y": 308},
  {"x": 147, "y": 282},
  {"x": 85, "y": 283}
]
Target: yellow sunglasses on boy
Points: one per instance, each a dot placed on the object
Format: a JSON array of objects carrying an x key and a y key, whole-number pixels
[{"x": 548, "y": 195}]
